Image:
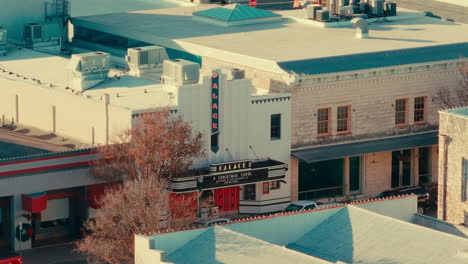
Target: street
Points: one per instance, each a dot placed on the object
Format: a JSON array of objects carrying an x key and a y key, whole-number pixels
[{"x": 58, "y": 254}]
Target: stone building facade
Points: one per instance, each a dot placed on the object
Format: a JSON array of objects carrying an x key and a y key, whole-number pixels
[
  {"x": 453, "y": 166},
  {"x": 369, "y": 136}
]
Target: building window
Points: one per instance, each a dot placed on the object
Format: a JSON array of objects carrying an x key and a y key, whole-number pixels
[
  {"x": 343, "y": 120},
  {"x": 249, "y": 192},
  {"x": 419, "y": 109},
  {"x": 401, "y": 112},
  {"x": 275, "y": 126},
  {"x": 355, "y": 174},
  {"x": 266, "y": 188},
  {"x": 464, "y": 180},
  {"x": 274, "y": 185},
  {"x": 323, "y": 121},
  {"x": 424, "y": 162},
  {"x": 401, "y": 168}
]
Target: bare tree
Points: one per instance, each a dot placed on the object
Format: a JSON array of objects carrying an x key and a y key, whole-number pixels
[
  {"x": 447, "y": 98},
  {"x": 133, "y": 207},
  {"x": 141, "y": 163},
  {"x": 160, "y": 145}
]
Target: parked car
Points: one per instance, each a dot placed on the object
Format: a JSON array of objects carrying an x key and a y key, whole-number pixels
[
  {"x": 10, "y": 258},
  {"x": 304, "y": 205},
  {"x": 424, "y": 202},
  {"x": 210, "y": 222}
]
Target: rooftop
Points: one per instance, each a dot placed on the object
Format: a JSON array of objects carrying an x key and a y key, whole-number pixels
[
  {"x": 294, "y": 40},
  {"x": 235, "y": 12},
  {"x": 28, "y": 66},
  {"x": 462, "y": 111},
  {"x": 17, "y": 141},
  {"x": 364, "y": 233}
]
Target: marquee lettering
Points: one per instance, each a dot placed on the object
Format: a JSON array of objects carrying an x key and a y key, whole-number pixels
[{"x": 214, "y": 103}]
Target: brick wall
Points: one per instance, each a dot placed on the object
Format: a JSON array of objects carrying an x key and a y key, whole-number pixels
[
  {"x": 372, "y": 103},
  {"x": 456, "y": 130}
]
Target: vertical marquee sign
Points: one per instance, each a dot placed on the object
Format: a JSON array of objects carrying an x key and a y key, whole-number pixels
[{"x": 214, "y": 111}]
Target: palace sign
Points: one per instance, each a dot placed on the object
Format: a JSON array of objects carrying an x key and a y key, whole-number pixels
[
  {"x": 232, "y": 166},
  {"x": 214, "y": 103}
]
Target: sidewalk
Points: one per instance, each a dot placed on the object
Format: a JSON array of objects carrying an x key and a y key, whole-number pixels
[{"x": 58, "y": 254}]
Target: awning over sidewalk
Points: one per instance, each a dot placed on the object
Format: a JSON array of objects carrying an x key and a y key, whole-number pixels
[{"x": 366, "y": 147}]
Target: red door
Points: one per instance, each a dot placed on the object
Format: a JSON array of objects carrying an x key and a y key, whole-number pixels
[{"x": 227, "y": 199}]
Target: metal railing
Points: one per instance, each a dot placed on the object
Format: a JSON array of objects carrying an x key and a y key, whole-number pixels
[{"x": 329, "y": 192}]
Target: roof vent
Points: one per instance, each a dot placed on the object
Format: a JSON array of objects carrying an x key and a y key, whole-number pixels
[{"x": 362, "y": 27}]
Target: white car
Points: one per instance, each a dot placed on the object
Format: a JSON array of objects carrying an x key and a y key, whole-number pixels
[{"x": 306, "y": 205}]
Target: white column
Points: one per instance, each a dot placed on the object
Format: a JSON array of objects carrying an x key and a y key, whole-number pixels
[{"x": 17, "y": 217}]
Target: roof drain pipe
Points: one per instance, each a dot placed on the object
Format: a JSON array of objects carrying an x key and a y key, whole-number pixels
[
  {"x": 361, "y": 26},
  {"x": 445, "y": 141}
]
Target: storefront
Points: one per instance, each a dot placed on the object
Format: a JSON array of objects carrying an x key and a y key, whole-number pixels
[
  {"x": 225, "y": 186},
  {"x": 56, "y": 216},
  {"x": 365, "y": 168}
]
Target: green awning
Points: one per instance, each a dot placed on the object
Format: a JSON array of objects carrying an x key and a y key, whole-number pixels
[{"x": 366, "y": 147}]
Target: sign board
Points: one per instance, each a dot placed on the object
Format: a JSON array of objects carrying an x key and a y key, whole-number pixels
[
  {"x": 253, "y": 3},
  {"x": 234, "y": 178},
  {"x": 214, "y": 103},
  {"x": 231, "y": 166}
]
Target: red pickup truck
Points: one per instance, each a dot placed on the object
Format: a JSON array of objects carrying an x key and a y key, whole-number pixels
[{"x": 10, "y": 258}]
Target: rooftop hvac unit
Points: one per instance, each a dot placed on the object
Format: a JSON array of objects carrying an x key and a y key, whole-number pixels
[
  {"x": 145, "y": 58},
  {"x": 180, "y": 72},
  {"x": 364, "y": 8},
  {"x": 32, "y": 31},
  {"x": 89, "y": 69},
  {"x": 390, "y": 9},
  {"x": 377, "y": 8},
  {"x": 311, "y": 11},
  {"x": 323, "y": 15},
  {"x": 44, "y": 34},
  {"x": 234, "y": 74},
  {"x": 3, "y": 41}
]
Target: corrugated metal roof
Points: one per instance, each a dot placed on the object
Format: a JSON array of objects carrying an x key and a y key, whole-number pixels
[
  {"x": 9, "y": 150},
  {"x": 376, "y": 59},
  {"x": 235, "y": 12},
  {"x": 366, "y": 147}
]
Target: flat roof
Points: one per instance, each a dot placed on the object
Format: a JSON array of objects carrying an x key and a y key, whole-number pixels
[
  {"x": 126, "y": 91},
  {"x": 293, "y": 40}
]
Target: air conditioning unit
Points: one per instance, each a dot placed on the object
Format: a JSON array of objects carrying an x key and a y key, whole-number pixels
[
  {"x": 3, "y": 41},
  {"x": 234, "y": 74},
  {"x": 142, "y": 59},
  {"x": 33, "y": 31},
  {"x": 180, "y": 72},
  {"x": 323, "y": 15},
  {"x": 377, "y": 8},
  {"x": 390, "y": 9},
  {"x": 44, "y": 34},
  {"x": 311, "y": 11},
  {"x": 89, "y": 69}
]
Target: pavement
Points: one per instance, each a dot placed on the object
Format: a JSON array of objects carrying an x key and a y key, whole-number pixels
[
  {"x": 57, "y": 254},
  {"x": 438, "y": 9}
]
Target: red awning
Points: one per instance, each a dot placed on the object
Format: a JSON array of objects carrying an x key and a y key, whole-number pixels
[{"x": 34, "y": 202}]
